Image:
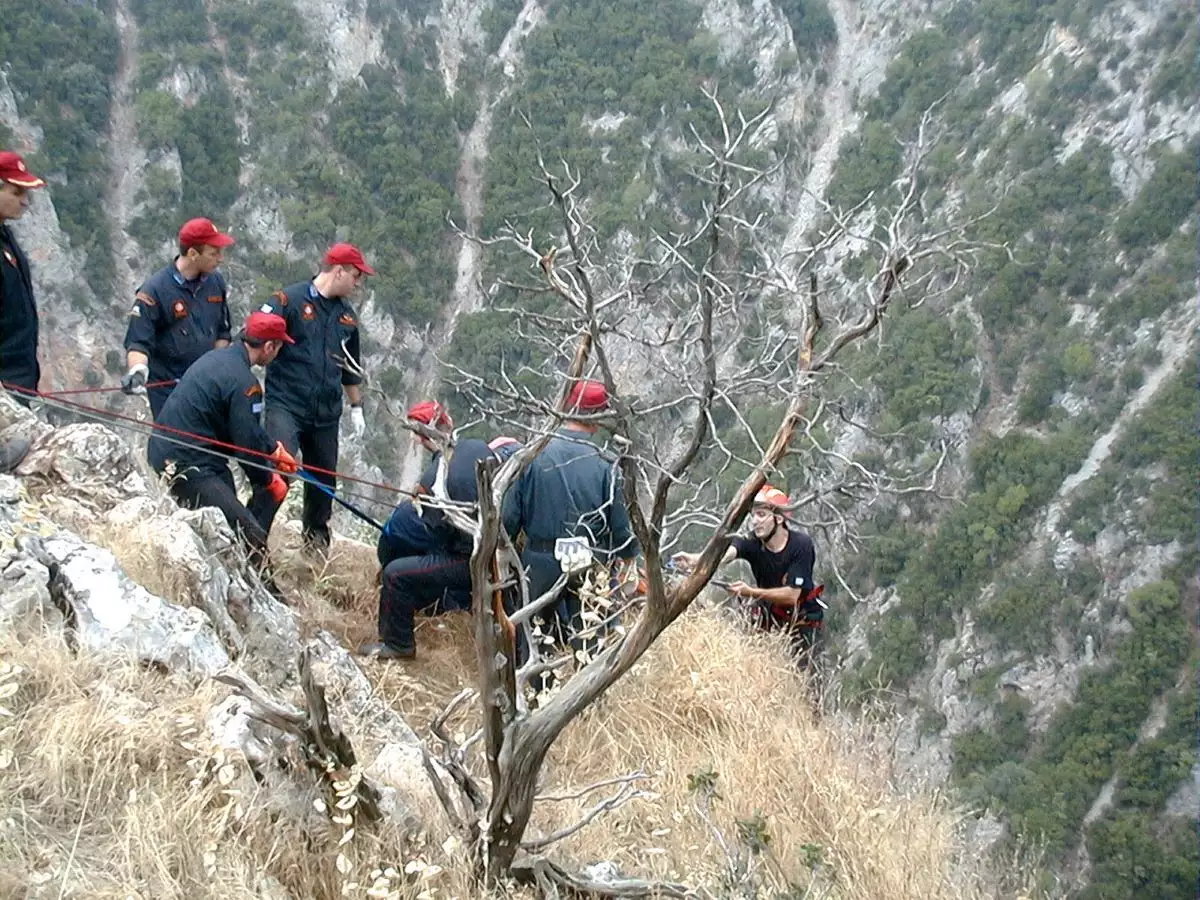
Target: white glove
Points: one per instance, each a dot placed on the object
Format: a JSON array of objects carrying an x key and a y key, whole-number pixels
[
  {"x": 358, "y": 425},
  {"x": 134, "y": 381}
]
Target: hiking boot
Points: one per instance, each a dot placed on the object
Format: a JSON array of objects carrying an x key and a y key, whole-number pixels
[
  {"x": 12, "y": 452},
  {"x": 317, "y": 542},
  {"x": 384, "y": 650}
]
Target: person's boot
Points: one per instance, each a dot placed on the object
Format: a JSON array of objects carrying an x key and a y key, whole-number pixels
[
  {"x": 12, "y": 452},
  {"x": 316, "y": 542},
  {"x": 384, "y": 650}
]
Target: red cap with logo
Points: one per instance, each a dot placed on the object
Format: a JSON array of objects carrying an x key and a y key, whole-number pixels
[
  {"x": 263, "y": 326},
  {"x": 587, "y": 396},
  {"x": 347, "y": 255},
  {"x": 202, "y": 233},
  {"x": 14, "y": 171},
  {"x": 431, "y": 413}
]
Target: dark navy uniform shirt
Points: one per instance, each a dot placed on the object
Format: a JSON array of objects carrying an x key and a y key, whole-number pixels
[
  {"x": 306, "y": 378},
  {"x": 219, "y": 398},
  {"x": 175, "y": 321},
  {"x": 571, "y": 490},
  {"x": 461, "y": 484},
  {"x": 18, "y": 316}
]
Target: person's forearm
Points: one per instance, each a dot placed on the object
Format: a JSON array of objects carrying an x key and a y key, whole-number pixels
[
  {"x": 136, "y": 358},
  {"x": 219, "y": 343},
  {"x": 353, "y": 394},
  {"x": 780, "y": 596}
]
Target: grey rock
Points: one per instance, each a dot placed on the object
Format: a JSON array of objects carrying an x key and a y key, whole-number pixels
[
  {"x": 1186, "y": 799},
  {"x": 85, "y": 455},
  {"x": 25, "y": 602},
  {"x": 113, "y": 615},
  {"x": 388, "y": 748}
]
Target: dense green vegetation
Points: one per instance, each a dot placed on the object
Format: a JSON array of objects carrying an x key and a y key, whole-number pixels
[
  {"x": 175, "y": 39},
  {"x": 646, "y": 62},
  {"x": 1077, "y": 246},
  {"x": 59, "y": 57},
  {"x": 1046, "y": 790}
]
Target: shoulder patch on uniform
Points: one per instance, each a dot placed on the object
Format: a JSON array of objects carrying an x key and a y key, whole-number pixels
[
  {"x": 143, "y": 297},
  {"x": 216, "y": 298},
  {"x": 347, "y": 319},
  {"x": 281, "y": 297},
  {"x": 179, "y": 308},
  {"x": 255, "y": 390},
  {"x": 308, "y": 312}
]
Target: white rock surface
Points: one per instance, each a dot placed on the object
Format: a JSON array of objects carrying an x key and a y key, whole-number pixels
[{"x": 113, "y": 615}]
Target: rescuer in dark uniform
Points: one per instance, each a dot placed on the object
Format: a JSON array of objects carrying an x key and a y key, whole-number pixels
[
  {"x": 570, "y": 490},
  {"x": 220, "y": 399},
  {"x": 439, "y": 579},
  {"x": 18, "y": 311},
  {"x": 306, "y": 382},
  {"x": 178, "y": 315},
  {"x": 782, "y": 559}
]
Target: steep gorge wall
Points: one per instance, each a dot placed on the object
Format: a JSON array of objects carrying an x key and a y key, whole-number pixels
[{"x": 1075, "y": 346}]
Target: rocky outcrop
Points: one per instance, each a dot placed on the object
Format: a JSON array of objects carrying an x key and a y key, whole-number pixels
[{"x": 216, "y": 617}]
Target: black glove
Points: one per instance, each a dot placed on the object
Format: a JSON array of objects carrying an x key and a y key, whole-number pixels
[{"x": 134, "y": 381}]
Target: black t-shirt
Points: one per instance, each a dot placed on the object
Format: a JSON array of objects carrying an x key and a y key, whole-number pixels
[{"x": 790, "y": 567}]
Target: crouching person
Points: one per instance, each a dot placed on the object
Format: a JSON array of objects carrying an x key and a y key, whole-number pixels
[
  {"x": 218, "y": 401},
  {"x": 436, "y": 579}
]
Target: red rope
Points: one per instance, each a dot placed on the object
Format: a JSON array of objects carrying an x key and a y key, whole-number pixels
[
  {"x": 196, "y": 437},
  {"x": 103, "y": 390}
]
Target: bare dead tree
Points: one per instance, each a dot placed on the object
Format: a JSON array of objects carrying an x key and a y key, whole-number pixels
[{"x": 670, "y": 303}]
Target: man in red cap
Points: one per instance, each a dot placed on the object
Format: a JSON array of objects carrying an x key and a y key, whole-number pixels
[
  {"x": 218, "y": 401},
  {"x": 18, "y": 311},
  {"x": 306, "y": 383},
  {"x": 782, "y": 558},
  {"x": 178, "y": 315},
  {"x": 426, "y": 560},
  {"x": 571, "y": 490}
]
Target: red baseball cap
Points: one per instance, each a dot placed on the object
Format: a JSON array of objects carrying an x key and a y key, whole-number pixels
[
  {"x": 14, "y": 171},
  {"x": 347, "y": 255},
  {"x": 263, "y": 326},
  {"x": 587, "y": 396},
  {"x": 202, "y": 233},
  {"x": 431, "y": 413}
]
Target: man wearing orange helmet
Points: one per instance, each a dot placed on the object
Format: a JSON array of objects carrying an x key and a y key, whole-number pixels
[{"x": 782, "y": 559}]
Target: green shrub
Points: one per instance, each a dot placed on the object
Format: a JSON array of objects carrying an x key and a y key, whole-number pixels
[{"x": 1165, "y": 200}]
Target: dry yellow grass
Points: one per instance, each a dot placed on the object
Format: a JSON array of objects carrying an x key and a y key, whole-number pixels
[
  {"x": 108, "y": 790},
  {"x": 99, "y": 794}
]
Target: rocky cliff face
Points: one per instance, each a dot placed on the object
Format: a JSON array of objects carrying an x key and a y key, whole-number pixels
[{"x": 1060, "y": 376}]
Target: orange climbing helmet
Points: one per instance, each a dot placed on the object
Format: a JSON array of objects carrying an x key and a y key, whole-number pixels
[{"x": 771, "y": 496}]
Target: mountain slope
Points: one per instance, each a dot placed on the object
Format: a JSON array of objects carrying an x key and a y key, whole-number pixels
[{"x": 1008, "y": 611}]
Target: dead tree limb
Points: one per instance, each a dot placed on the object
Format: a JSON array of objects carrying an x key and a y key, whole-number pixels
[{"x": 326, "y": 749}]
